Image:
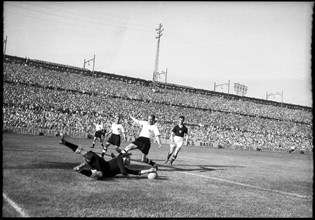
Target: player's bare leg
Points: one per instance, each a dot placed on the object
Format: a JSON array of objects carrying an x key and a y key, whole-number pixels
[
  {"x": 94, "y": 141},
  {"x": 148, "y": 161},
  {"x": 144, "y": 158},
  {"x": 175, "y": 154},
  {"x": 172, "y": 148},
  {"x": 129, "y": 147},
  {"x": 117, "y": 149},
  {"x": 105, "y": 148}
]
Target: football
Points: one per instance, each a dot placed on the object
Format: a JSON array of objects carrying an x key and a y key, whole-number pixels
[{"x": 152, "y": 175}]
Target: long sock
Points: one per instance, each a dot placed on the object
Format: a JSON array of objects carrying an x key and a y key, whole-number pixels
[
  {"x": 86, "y": 172},
  {"x": 173, "y": 158},
  {"x": 134, "y": 172},
  {"x": 103, "y": 153},
  {"x": 122, "y": 152},
  {"x": 73, "y": 147},
  {"x": 168, "y": 156},
  {"x": 147, "y": 160},
  {"x": 120, "y": 164}
]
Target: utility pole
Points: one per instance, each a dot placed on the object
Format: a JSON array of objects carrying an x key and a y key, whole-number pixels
[
  {"x": 5, "y": 45},
  {"x": 274, "y": 94},
  {"x": 224, "y": 84},
  {"x": 156, "y": 72},
  {"x": 88, "y": 62}
]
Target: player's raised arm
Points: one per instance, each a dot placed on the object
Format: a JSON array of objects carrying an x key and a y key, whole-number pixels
[{"x": 134, "y": 119}]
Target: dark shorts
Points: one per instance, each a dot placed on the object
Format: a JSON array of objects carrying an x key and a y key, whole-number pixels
[
  {"x": 114, "y": 140},
  {"x": 99, "y": 133},
  {"x": 143, "y": 144}
]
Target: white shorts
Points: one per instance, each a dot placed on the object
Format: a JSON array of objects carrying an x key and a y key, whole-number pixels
[{"x": 178, "y": 141}]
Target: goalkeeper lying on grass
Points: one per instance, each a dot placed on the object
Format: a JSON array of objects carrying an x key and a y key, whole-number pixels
[{"x": 99, "y": 168}]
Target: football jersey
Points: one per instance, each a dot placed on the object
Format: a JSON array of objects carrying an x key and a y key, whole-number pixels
[
  {"x": 98, "y": 127},
  {"x": 148, "y": 129},
  {"x": 180, "y": 131},
  {"x": 117, "y": 128}
]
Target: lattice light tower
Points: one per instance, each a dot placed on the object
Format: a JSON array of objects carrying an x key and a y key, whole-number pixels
[{"x": 156, "y": 72}]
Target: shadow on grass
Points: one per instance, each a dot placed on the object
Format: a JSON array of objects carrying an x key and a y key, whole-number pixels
[
  {"x": 45, "y": 165},
  {"x": 185, "y": 167},
  {"x": 201, "y": 168},
  {"x": 134, "y": 177}
]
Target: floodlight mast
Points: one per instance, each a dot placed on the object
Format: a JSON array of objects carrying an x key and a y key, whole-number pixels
[
  {"x": 5, "y": 44},
  {"x": 240, "y": 89},
  {"x": 156, "y": 72}
]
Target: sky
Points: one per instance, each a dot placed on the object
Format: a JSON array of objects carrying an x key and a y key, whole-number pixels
[{"x": 265, "y": 46}]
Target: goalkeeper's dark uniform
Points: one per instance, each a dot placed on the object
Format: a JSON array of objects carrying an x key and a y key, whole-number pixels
[{"x": 108, "y": 168}]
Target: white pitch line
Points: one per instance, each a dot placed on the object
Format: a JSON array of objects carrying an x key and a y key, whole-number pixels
[
  {"x": 15, "y": 206},
  {"x": 251, "y": 186},
  {"x": 240, "y": 184}
]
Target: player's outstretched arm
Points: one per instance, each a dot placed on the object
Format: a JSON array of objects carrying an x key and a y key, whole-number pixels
[
  {"x": 158, "y": 140},
  {"x": 134, "y": 119},
  {"x": 147, "y": 171}
]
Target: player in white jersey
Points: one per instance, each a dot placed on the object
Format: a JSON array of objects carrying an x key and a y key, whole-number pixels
[
  {"x": 99, "y": 133},
  {"x": 143, "y": 142},
  {"x": 116, "y": 130},
  {"x": 177, "y": 139}
]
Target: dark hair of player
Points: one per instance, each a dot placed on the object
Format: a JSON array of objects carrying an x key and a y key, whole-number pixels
[{"x": 153, "y": 117}]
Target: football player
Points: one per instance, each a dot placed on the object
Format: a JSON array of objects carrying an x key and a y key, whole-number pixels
[
  {"x": 143, "y": 142},
  {"x": 99, "y": 133},
  {"x": 96, "y": 166},
  {"x": 116, "y": 130},
  {"x": 177, "y": 139}
]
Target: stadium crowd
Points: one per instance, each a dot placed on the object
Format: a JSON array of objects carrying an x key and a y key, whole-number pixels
[{"x": 62, "y": 101}]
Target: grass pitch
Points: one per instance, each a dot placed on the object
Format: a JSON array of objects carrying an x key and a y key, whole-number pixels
[{"x": 38, "y": 181}]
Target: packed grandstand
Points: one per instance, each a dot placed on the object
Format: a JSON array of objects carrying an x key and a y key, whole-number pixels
[{"x": 49, "y": 98}]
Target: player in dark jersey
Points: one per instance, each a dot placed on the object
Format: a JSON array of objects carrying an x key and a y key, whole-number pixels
[
  {"x": 177, "y": 139},
  {"x": 96, "y": 167}
]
